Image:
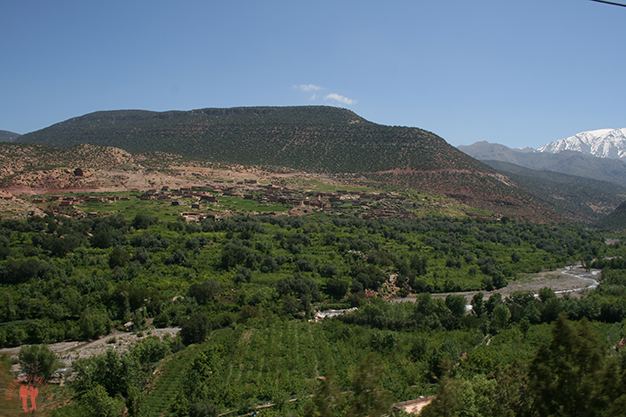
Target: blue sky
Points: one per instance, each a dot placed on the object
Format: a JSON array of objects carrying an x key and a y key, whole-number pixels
[{"x": 520, "y": 73}]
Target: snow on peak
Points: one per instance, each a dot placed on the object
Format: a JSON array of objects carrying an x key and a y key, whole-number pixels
[{"x": 603, "y": 143}]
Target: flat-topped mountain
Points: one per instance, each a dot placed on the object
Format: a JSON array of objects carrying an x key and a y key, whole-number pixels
[{"x": 315, "y": 139}]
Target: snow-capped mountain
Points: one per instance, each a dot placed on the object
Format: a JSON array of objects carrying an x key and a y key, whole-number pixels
[{"x": 603, "y": 143}]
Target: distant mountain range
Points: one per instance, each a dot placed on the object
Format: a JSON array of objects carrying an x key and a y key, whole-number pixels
[
  {"x": 6, "y": 136},
  {"x": 603, "y": 143},
  {"x": 579, "y": 174},
  {"x": 565, "y": 162}
]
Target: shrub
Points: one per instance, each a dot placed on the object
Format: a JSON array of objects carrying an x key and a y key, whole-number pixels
[{"x": 205, "y": 292}]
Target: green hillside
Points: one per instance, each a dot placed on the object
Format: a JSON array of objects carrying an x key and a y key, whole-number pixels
[
  {"x": 318, "y": 139},
  {"x": 575, "y": 197},
  {"x": 615, "y": 221}
]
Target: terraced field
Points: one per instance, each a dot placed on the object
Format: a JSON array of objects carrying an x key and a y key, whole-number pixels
[{"x": 247, "y": 368}]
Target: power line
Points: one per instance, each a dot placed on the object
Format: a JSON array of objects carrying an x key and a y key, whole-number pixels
[{"x": 610, "y": 2}]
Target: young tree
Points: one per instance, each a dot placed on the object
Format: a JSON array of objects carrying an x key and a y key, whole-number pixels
[
  {"x": 478, "y": 304},
  {"x": 500, "y": 317},
  {"x": 369, "y": 398},
  {"x": 38, "y": 360},
  {"x": 96, "y": 402},
  {"x": 566, "y": 377}
]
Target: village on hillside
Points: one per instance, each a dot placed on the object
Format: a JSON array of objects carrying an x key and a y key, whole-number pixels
[{"x": 201, "y": 201}]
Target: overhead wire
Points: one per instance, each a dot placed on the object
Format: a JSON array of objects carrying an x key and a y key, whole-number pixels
[{"x": 610, "y": 2}]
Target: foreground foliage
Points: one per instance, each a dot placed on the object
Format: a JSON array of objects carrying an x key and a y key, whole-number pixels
[{"x": 242, "y": 289}]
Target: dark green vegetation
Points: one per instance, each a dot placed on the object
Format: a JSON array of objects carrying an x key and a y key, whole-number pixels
[
  {"x": 575, "y": 374},
  {"x": 38, "y": 360},
  {"x": 243, "y": 288},
  {"x": 66, "y": 278},
  {"x": 615, "y": 220}
]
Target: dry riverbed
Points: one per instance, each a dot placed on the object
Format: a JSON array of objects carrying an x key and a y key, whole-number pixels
[
  {"x": 573, "y": 280},
  {"x": 68, "y": 352}
]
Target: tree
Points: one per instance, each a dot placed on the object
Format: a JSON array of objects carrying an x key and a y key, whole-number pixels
[
  {"x": 329, "y": 270},
  {"x": 205, "y": 292},
  {"x": 478, "y": 304},
  {"x": 94, "y": 324},
  {"x": 327, "y": 401},
  {"x": 369, "y": 398},
  {"x": 466, "y": 398},
  {"x": 118, "y": 257},
  {"x": 337, "y": 288},
  {"x": 243, "y": 275},
  {"x": 456, "y": 304},
  {"x": 96, "y": 402},
  {"x": 38, "y": 360},
  {"x": 116, "y": 373},
  {"x": 195, "y": 329},
  {"x": 500, "y": 317},
  {"x": 143, "y": 221},
  {"x": 566, "y": 376},
  {"x": 299, "y": 285}
]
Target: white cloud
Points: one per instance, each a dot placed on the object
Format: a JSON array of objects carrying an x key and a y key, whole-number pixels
[
  {"x": 339, "y": 98},
  {"x": 308, "y": 87}
]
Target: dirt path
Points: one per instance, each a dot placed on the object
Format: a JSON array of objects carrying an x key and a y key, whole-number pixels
[{"x": 571, "y": 280}]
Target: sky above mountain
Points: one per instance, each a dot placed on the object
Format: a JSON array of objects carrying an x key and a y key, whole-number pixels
[{"x": 520, "y": 73}]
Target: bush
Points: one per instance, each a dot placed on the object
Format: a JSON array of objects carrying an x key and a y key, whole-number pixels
[
  {"x": 205, "y": 292},
  {"x": 329, "y": 270}
]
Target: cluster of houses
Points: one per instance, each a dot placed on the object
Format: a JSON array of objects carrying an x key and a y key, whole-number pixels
[{"x": 209, "y": 194}]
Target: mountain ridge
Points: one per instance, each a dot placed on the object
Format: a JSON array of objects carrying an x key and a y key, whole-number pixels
[
  {"x": 566, "y": 162},
  {"x": 602, "y": 143},
  {"x": 6, "y": 136}
]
